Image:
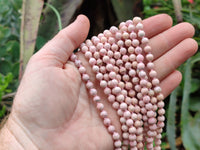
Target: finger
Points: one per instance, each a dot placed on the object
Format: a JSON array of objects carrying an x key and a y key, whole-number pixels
[
  {"x": 175, "y": 57},
  {"x": 63, "y": 44},
  {"x": 157, "y": 24},
  {"x": 169, "y": 38},
  {"x": 170, "y": 82}
]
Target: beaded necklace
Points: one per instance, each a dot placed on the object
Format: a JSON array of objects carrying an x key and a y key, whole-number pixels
[{"x": 123, "y": 63}]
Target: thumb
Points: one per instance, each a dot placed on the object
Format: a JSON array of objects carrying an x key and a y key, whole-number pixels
[{"x": 63, "y": 44}]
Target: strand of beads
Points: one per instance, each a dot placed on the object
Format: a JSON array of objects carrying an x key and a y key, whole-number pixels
[
  {"x": 154, "y": 130},
  {"x": 96, "y": 99},
  {"x": 122, "y": 61}
]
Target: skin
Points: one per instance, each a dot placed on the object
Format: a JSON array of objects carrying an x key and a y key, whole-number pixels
[{"x": 52, "y": 109}]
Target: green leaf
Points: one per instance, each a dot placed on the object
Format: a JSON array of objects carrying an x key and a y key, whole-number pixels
[
  {"x": 194, "y": 104},
  {"x": 5, "y": 67},
  {"x": 195, "y": 85},
  {"x": 2, "y": 51},
  {"x": 171, "y": 129},
  {"x": 187, "y": 138},
  {"x": 40, "y": 42},
  {"x": 4, "y": 34},
  {"x": 13, "y": 48},
  {"x": 188, "y": 143},
  {"x": 15, "y": 70},
  {"x": 195, "y": 129},
  {"x": 2, "y": 111}
]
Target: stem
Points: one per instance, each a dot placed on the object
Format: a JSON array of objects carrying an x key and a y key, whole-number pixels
[
  {"x": 57, "y": 15},
  {"x": 177, "y": 9}
]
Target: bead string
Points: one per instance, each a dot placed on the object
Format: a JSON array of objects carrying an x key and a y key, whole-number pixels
[{"x": 122, "y": 61}]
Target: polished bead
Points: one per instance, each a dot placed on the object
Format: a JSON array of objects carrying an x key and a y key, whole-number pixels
[{"x": 93, "y": 92}]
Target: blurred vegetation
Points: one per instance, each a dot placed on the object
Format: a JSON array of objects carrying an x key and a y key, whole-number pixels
[{"x": 183, "y": 106}]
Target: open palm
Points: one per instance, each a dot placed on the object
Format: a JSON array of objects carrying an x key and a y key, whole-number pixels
[{"x": 52, "y": 106}]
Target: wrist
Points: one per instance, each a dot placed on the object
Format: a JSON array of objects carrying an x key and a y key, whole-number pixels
[
  {"x": 8, "y": 141},
  {"x": 12, "y": 136}
]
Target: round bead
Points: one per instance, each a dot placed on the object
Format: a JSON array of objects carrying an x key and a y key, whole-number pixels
[
  {"x": 129, "y": 122},
  {"x": 152, "y": 120},
  {"x": 103, "y": 83},
  {"x": 141, "y": 33},
  {"x": 99, "y": 62},
  {"x": 85, "y": 77},
  {"x": 132, "y": 130},
  {"x": 118, "y": 143},
  {"x": 127, "y": 114},
  {"x": 116, "y": 136},
  {"x": 115, "y": 105},
  {"x": 100, "y": 106},
  {"x": 95, "y": 68},
  {"x": 111, "y": 129},
  {"x": 82, "y": 70},
  {"x": 96, "y": 99},
  {"x": 120, "y": 112},
  {"x": 116, "y": 90},
  {"x": 140, "y": 58},
  {"x": 124, "y": 128},
  {"x": 152, "y": 74},
  {"x": 92, "y": 49},
  {"x": 107, "y": 91},
  {"x": 140, "y": 66},
  {"x": 120, "y": 43},
  {"x": 131, "y": 28},
  {"x": 84, "y": 49},
  {"x": 123, "y": 106},
  {"x": 107, "y": 121},
  {"x": 88, "y": 54},
  {"x": 125, "y": 135},
  {"x": 135, "y": 42},
  {"x": 77, "y": 63},
  {"x": 137, "y": 20},
  {"x": 161, "y": 104},
  {"x": 118, "y": 35},
  {"x": 113, "y": 29},
  {"x": 114, "y": 47},
  {"x": 106, "y": 59},
  {"x": 149, "y": 57},
  {"x": 122, "y": 120},
  {"x": 89, "y": 85},
  {"x": 161, "y": 118},
  {"x": 123, "y": 51},
  {"x": 120, "y": 98},
  {"x": 161, "y": 111},
  {"x": 111, "y": 98},
  {"x": 150, "y": 113},
  {"x": 145, "y": 40},
  {"x": 99, "y": 76},
  {"x": 102, "y": 51},
  {"x": 112, "y": 75},
  {"x": 128, "y": 42},
  {"x": 160, "y": 97},
  {"x": 157, "y": 89},
  {"x": 134, "y": 116},
  {"x": 125, "y": 35},
  {"x": 99, "y": 46},
  {"x": 139, "y": 26},
  {"x": 131, "y": 108},
  {"x": 104, "y": 114},
  {"x": 133, "y": 35}
]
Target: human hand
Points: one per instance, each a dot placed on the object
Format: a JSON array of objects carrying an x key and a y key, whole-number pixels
[{"x": 52, "y": 106}]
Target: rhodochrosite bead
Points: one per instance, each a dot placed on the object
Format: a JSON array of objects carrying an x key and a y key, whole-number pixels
[{"x": 122, "y": 63}]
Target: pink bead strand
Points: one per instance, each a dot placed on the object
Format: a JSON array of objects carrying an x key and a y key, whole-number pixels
[
  {"x": 122, "y": 61},
  {"x": 97, "y": 101}
]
